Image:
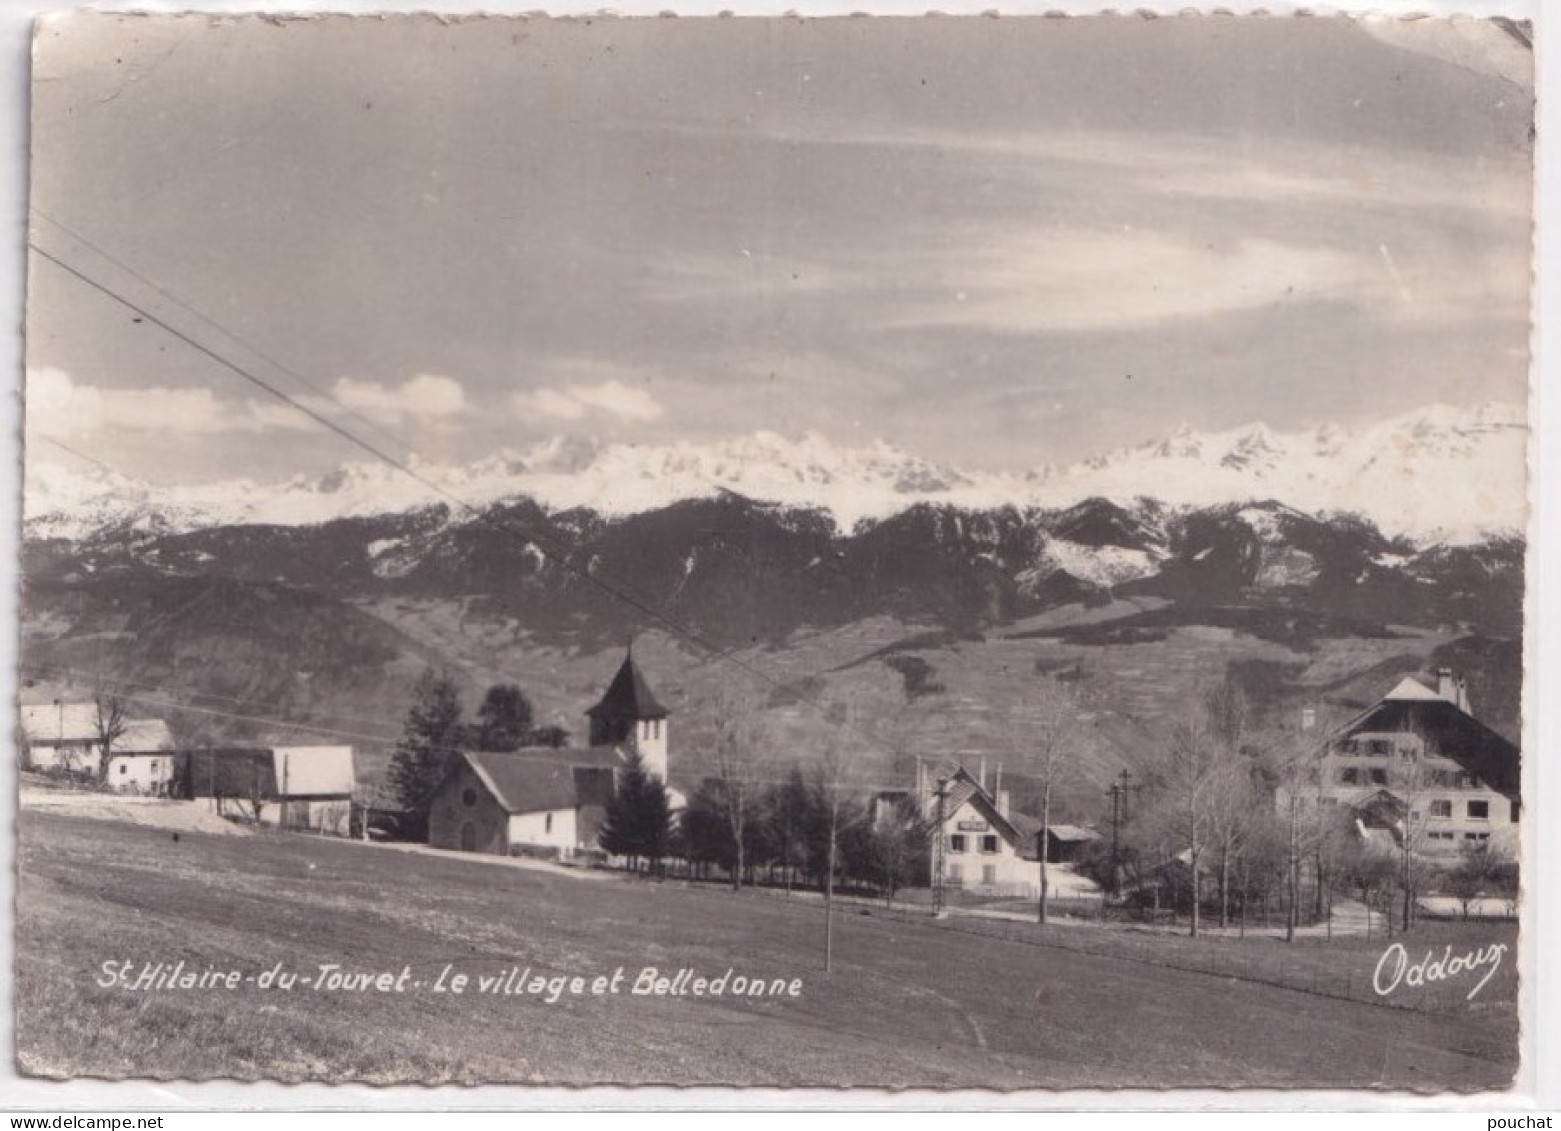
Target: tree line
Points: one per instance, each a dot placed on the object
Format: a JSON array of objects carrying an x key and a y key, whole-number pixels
[
  {"x": 1229, "y": 824},
  {"x": 795, "y": 831}
]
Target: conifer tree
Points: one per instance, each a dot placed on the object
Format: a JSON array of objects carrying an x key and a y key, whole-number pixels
[
  {"x": 503, "y": 719},
  {"x": 639, "y": 818},
  {"x": 430, "y": 739}
]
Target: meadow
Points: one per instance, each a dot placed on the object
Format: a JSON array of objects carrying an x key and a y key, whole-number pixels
[{"x": 909, "y": 1003}]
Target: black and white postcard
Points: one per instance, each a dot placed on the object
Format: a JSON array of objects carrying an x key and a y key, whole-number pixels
[{"x": 939, "y": 553}]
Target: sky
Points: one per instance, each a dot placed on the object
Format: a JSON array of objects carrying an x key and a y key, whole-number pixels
[{"x": 997, "y": 243}]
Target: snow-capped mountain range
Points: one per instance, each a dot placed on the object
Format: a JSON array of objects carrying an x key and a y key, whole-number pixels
[{"x": 1440, "y": 473}]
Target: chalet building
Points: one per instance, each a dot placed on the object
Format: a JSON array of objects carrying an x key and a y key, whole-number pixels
[
  {"x": 1419, "y": 765},
  {"x": 553, "y": 802},
  {"x": 987, "y": 848},
  {"x": 293, "y": 787},
  {"x": 65, "y": 737}
]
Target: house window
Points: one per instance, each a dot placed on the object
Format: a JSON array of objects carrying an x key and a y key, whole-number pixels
[
  {"x": 989, "y": 844},
  {"x": 1440, "y": 836},
  {"x": 1349, "y": 746},
  {"x": 957, "y": 843},
  {"x": 123, "y": 767},
  {"x": 1349, "y": 776},
  {"x": 956, "y": 874},
  {"x": 1379, "y": 777},
  {"x": 1441, "y": 808},
  {"x": 469, "y": 798},
  {"x": 989, "y": 873},
  {"x": 1476, "y": 837},
  {"x": 547, "y": 823},
  {"x": 1379, "y": 747},
  {"x": 1514, "y": 817},
  {"x": 1479, "y": 810}
]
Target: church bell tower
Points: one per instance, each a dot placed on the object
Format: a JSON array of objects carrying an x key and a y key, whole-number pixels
[{"x": 629, "y": 716}]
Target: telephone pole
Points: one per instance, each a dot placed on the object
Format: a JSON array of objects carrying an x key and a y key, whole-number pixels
[
  {"x": 938, "y": 842},
  {"x": 1119, "y": 791}
]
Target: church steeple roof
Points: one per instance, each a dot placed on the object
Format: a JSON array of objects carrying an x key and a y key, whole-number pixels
[{"x": 628, "y": 696}]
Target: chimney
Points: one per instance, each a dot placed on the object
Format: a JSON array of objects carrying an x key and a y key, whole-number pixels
[
  {"x": 1462, "y": 691},
  {"x": 1308, "y": 718},
  {"x": 997, "y": 781},
  {"x": 982, "y": 779},
  {"x": 1002, "y": 803},
  {"x": 1446, "y": 686}
]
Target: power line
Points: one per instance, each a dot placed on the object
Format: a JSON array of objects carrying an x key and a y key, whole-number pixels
[
  {"x": 219, "y": 328},
  {"x": 281, "y": 723},
  {"x": 488, "y": 517},
  {"x": 85, "y": 676},
  {"x": 64, "y": 447}
]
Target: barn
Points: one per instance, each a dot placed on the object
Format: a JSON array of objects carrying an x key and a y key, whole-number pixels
[
  {"x": 314, "y": 787},
  {"x": 296, "y": 787}
]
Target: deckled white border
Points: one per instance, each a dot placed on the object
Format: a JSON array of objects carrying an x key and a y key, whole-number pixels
[{"x": 1536, "y": 1089}]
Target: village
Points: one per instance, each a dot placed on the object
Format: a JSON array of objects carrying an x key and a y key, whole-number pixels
[{"x": 1362, "y": 824}]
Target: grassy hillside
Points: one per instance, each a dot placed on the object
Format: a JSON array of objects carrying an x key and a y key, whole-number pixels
[{"x": 909, "y": 1004}]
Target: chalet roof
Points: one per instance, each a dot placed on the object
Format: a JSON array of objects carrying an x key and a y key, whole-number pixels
[
  {"x": 628, "y": 696},
  {"x": 315, "y": 771},
  {"x": 1411, "y": 689},
  {"x": 59, "y": 722},
  {"x": 963, "y": 788},
  {"x": 144, "y": 736},
  {"x": 1451, "y": 732},
  {"x": 77, "y": 722},
  {"x": 523, "y": 784}
]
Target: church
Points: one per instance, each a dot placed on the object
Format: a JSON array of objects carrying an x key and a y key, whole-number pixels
[{"x": 551, "y": 802}]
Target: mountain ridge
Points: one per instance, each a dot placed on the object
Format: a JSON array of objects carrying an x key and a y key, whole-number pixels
[{"x": 1436, "y": 474}]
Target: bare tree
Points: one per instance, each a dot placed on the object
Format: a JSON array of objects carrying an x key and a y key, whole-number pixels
[
  {"x": 109, "y": 723},
  {"x": 1293, "y": 760},
  {"x": 1232, "y": 796},
  {"x": 832, "y": 787},
  {"x": 1409, "y": 779},
  {"x": 739, "y": 761},
  {"x": 1191, "y": 766},
  {"x": 1053, "y": 719}
]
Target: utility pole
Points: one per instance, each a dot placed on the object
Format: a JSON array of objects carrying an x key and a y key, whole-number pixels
[
  {"x": 938, "y": 841},
  {"x": 1119, "y": 790}
]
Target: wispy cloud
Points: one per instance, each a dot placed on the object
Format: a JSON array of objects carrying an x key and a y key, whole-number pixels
[{"x": 1125, "y": 279}]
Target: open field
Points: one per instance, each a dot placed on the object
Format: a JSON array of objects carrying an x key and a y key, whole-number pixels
[{"x": 909, "y": 1003}]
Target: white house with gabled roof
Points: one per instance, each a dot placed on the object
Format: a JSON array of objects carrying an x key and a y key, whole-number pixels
[{"x": 1419, "y": 765}]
